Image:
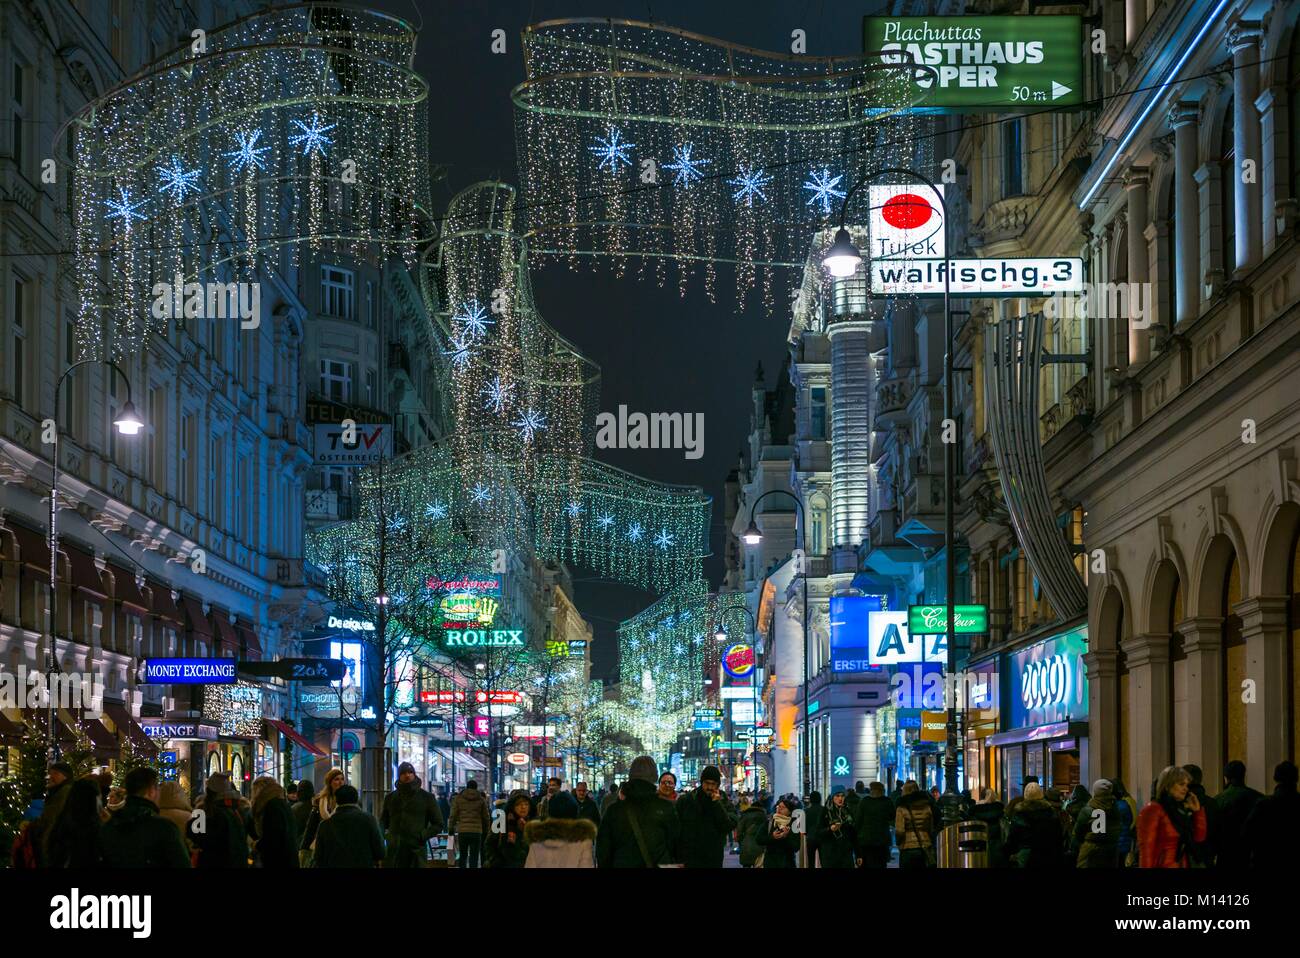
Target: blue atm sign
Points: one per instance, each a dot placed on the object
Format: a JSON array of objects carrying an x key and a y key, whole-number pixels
[{"x": 189, "y": 671}]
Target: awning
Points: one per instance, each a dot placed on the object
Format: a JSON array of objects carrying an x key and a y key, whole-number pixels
[
  {"x": 1039, "y": 733},
  {"x": 226, "y": 634},
  {"x": 33, "y": 547},
  {"x": 105, "y": 742},
  {"x": 85, "y": 574},
  {"x": 34, "y": 719},
  {"x": 195, "y": 620},
  {"x": 126, "y": 724},
  {"x": 464, "y": 759},
  {"x": 162, "y": 604},
  {"x": 125, "y": 590},
  {"x": 252, "y": 648},
  {"x": 293, "y": 735}
]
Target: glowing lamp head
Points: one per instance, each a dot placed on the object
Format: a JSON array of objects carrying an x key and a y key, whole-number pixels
[
  {"x": 752, "y": 536},
  {"x": 128, "y": 422},
  {"x": 842, "y": 259}
]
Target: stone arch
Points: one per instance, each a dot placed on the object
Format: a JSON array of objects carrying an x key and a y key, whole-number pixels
[
  {"x": 1278, "y": 528},
  {"x": 1112, "y": 625},
  {"x": 1216, "y": 106},
  {"x": 1275, "y": 44},
  {"x": 1215, "y": 557},
  {"x": 1163, "y": 581}
]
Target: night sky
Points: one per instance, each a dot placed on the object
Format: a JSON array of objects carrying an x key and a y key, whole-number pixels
[{"x": 657, "y": 352}]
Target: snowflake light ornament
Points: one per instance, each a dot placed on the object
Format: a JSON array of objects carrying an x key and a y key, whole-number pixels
[
  {"x": 635, "y": 532},
  {"x": 177, "y": 181},
  {"x": 480, "y": 494},
  {"x": 473, "y": 320},
  {"x": 605, "y": 520},
  {"x": 249, "y": 153},
  {"x": 612, "y": 149},
  {"x": 574, "y": 509},
  {"x": 663, "y": 540},
  {"x": 751, "y": 183},
  {"x": 686, "y": 168},
  {"x": 123, "y": 208},
  {"x": 396, "y": 524},
  {"x": 312, "y": 138},
  {"x": 435, "y": 511},
  {"x": 461, "y": 352},
  {"x": 497, "y": 395},
  {"x": 822, "y": 185},
  {"x": 529, "y": 423}
]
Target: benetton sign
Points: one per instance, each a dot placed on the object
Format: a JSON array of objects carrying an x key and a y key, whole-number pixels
[
  {"x": 933, "y": 619},
  {"x": 985, "y": 63}
]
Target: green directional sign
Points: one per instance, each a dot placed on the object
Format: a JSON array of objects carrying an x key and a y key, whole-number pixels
[
  {"x": 933, "y": 619},
  {"x": 985, "y": 63}
]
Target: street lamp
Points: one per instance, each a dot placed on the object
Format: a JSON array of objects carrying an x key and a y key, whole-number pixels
[
  {"x": 842, "y": 256},
  {"x": 128, "y": 424}
]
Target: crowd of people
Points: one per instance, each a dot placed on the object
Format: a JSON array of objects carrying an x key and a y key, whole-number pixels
[{"x": 647, "y": 823}]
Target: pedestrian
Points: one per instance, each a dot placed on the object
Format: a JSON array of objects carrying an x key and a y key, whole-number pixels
[
  {"x": 323, "y": 806},
  {"x": 587, "y": 807},
  {"x": 668, "y": 787},
  {"x": 914, "y": 828},
  {"x": 564, "y": 839},
  {"x": 1077, "y": 802},
  {"x": 349, "y": 837},
  {"x": 872, "y": 825},
  {"x": 778, "y": 839},
  {"x": 1094, "y": 840},
  {"x": 989, "y": 810},
  {"x": 553, "y": 785},
  {"x": 469, "y": 819},
  {"x": 41, "y": 817},
  {"x": 814, "y": 812},
  {"x": 301, "y": 816},
  {"x": 750, "y": 824},
  {"x": 837, "y": 838},
  {"x": 220, "y": 837},
  {"x": 273, "y": 831},
  {"x": 610, "y": 798},
  {"x": 174, "y": 805},
  {"x": 896, "y": 795},
  {"x": 74, "y": 839},
  {"x": 1232, "y": 807},
  {"x": 1203, "y": 851},
  {"x": 137, "y": 836},
  {"x": 1126, "y": 832},
  {"x": 1272, "y": 831},
  {"x": 410, "y": 817},
  {"x": 1170, "y": 826},
  {"x": 509, "y": 849},
  {"x": 640, "y": 830},
  {"x": 444, "y": 805},
  {"x": 705, "y": 818},
  {"x": 852, "y": 798},
  {"x": 1034, "y": 838}
]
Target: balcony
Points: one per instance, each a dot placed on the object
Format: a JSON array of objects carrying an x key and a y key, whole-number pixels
[
  {"x": 326, "y": 505},
  {"x": 892, "y": 398}
]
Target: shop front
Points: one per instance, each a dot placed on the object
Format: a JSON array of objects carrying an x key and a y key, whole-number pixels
[
  {"x": 1045, "y": 701},
  {"x": 183, "y": 748},
  {"x": 979, "y": 701},
  {"x": 237, "y": 711}
]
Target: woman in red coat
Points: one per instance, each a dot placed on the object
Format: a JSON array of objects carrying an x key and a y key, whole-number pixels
[{"x": 1171, "y": 823}]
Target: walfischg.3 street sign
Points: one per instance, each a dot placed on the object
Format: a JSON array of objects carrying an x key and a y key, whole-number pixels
[{"x": 985, "y": 63}]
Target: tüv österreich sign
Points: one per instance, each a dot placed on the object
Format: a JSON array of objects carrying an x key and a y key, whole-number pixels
[
  {"x": 468, "y": 638},
  {"x": 985, "y": 63},
  {"x": 933, "y": 619},
  {"x": 189, "y": 671}
]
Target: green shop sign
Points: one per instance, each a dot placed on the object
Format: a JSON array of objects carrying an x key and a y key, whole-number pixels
[
  {"x": 933, "y": 619},
  {"x": 985, "y": 63}
]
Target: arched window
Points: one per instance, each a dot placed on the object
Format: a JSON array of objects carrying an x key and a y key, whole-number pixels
[
  {"x": 817, "y": 522},
  {"x": 1167, "y": 254},
  {"x": 1117, "y": 319},
  {"x": 1180, "y": 695},
  {"x": 1234, "y": 667}
]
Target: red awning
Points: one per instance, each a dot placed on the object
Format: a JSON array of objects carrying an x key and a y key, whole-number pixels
[
  {"x": 85, "y": 574},
  {"x": 33, "y": 547},
  {"x": 105, "y": 742},
  {"x": 130, "y": 727},
  {"x": 195, "y": 620},
  {"x": 252, "y": 647},
  {"x": 162, "y": 604},
  {"x": 125, "y": 590},
  {"x": 226, "y": 634},
  {"x": 294, "y": 736}
]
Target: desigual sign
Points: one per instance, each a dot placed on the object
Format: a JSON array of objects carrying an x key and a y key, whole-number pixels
[{"x": 352, "y": 625}]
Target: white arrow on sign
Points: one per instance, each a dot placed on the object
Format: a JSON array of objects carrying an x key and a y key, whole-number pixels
[{"x": 1059, "y": 89}]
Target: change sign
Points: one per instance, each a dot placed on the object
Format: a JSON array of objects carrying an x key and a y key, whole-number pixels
[{"x": 985, "y": 63}]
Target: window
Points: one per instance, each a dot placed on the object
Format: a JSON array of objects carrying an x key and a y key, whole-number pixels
[
  {"x": 20, "y": 325},
  {"x": 19, "y": 94},
  {"x": 336, "y": 295},
  {"x": 370, "y": 304},
  {"x": 215, "y": 483},
  {"x": 817, "y": 526},
  {"x": 241, "y": 490},
  {"x": 336, "y": 380},
  {"x": 187, "y": 460},
  {"x": 818, "y": 411},
  {"x": 154, "y": 429},
  {"x": 1012, "y": 180}
]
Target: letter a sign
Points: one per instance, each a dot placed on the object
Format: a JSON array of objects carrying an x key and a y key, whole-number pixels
[{"x": 891, "y": 643}]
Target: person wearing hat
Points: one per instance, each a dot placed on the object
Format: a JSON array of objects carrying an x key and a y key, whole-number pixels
[
  {"x": 220, "y": 836},
  {"x": 350, "y": 837},
  {"x": 837, "y": 837},
  {"x": 509, "y": 849},
  {"x": 1094, "y": 840},
  {"x": 57, "y": 781},
  {"x": 410, "y": 817},
  {"x": 1034, "y": 837},
  {"x": 641, "y": 830},
  {"x": 705, "y": 819},
  {"x": 562, "y": 839}
]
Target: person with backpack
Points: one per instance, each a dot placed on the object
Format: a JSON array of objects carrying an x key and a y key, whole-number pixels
[
  {"x": 641, "y": 830},
  {"x": 1094, "y": 840},
  {"x": 751, "y": 822},
  {"x": 914, "y": 828}
]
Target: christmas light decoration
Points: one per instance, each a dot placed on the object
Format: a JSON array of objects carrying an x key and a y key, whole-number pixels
[
  {"x": 684, "y": 167},
  {"x": 247, "y": 155},
  {"x": 472, "y": 319},
  {"x": 611, "y": 151},
  {"x": 123, "y": 209},
  {"x": 822, "y": 185},
  {"x": 312, "y": 138},
  {"x": 177, "y": 181},
  {"x": 751, "y": 183}
]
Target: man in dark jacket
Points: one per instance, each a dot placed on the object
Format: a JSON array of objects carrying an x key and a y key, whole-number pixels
[
  {"x": 641, "y": 830},
  {"x": 1034, "y": 838},
  {"x": 705, "y": 818},
  {"x": 137, "y": 836},
  {"x": 1232, "y": 807},
  {"x": 272, "y": 825},
  {"x": 587, "y": 807},
  {"x": 219, "y": 833},
  {"x": 410, "y": 817},
  {"x": 1272, "y": 832},
  {"x": 350, "y": 837},
  {"x": 990, "y": 811},
  {"x": 1203, "y": 852},
  {"x": 57, "y": 782},
  {"x": 302, "y": 812},
  {"x": 851, "y": 799},
  {"x": 814, "y": 812},
  {"x": 752, "y": 822},
  {"x": 1094, "y": 838},
  {"x": 609, "y": 799},
  {"x": 874, "y": 823}
]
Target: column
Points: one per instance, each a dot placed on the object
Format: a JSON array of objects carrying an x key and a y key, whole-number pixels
[
  {"x": 852, "y": 387},
  {"x": 1243, "y": 41},
  {"x": 1279, "y": 206},
  {"x": 1187, "y": 281},
  {"x": 1264, "y": 627},
  {"x": 1137, "y": 182},
  {"x": 1135, "y": 18},
  {"x": 1104, "y": 715},
  {"x": 1150, "y": 708},
  {"x": 1216, "y": 262},
  {"x": 1203, "y": 643}
]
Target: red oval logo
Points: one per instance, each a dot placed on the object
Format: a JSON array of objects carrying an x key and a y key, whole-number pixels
[{"x": 906, "y": 211}]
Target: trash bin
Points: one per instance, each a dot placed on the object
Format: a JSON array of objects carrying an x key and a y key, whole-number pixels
[{"x": 964, "y": 845}]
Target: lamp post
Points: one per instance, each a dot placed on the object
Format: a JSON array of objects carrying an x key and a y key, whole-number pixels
[
  {"x": 842, "y": 260},
  {"x": 753, "y": 536},
  {"x": 128, "y": 424}
]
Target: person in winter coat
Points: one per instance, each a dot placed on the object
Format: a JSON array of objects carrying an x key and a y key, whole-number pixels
[
  {"x": 174, "y": 805},
  {"x": 509, "y": 849},
  {"x": 273, "y": 829},
  {"x": 1077, "y": 802},
  {"x": 914, "y": 828},
  {"x": 137, "y": 836},
  {"x": 1203, "y": 852},
  {"x": 1094, "y": 840},
  {"x": 837, "y": 838},
  {"x": 543, "y": 804},
  {"x": 1272, "y": 830},
  {"x": 1232, "y": 807},
  {"x": 610, "y": 798},
  {"x": 813, "y": 816},
  {"x": 410, "y": 817},
  {"x": 1034, "y": 838},
  {"x": 469, "y": 819},
  {"x": 872, "y": 825},
  {"x": 349, "y": 837},
  {"x": 852, "y": 798},
  {"x": 322, "y": 807},
  {"x": 641, "y": 830},
  {"x": 668, "y": 787},
  {"x": 1172, "y": 824},
  {"x": 222, "y": 841},
  {"x": 301, "y": 815},
  {"x": 563, "y": 839},
  {"x": 74, "y": 840},
  {"x": 778, "y": 839},
  {"x": 58, "y": 781},
  {"x": 989, "y": 810},
  {"x": 752, "y": 822},
  {"x": 705, "y": 818},
  {"x": 587, "y": 807},
  {"x": 1126, "y": 817}
]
